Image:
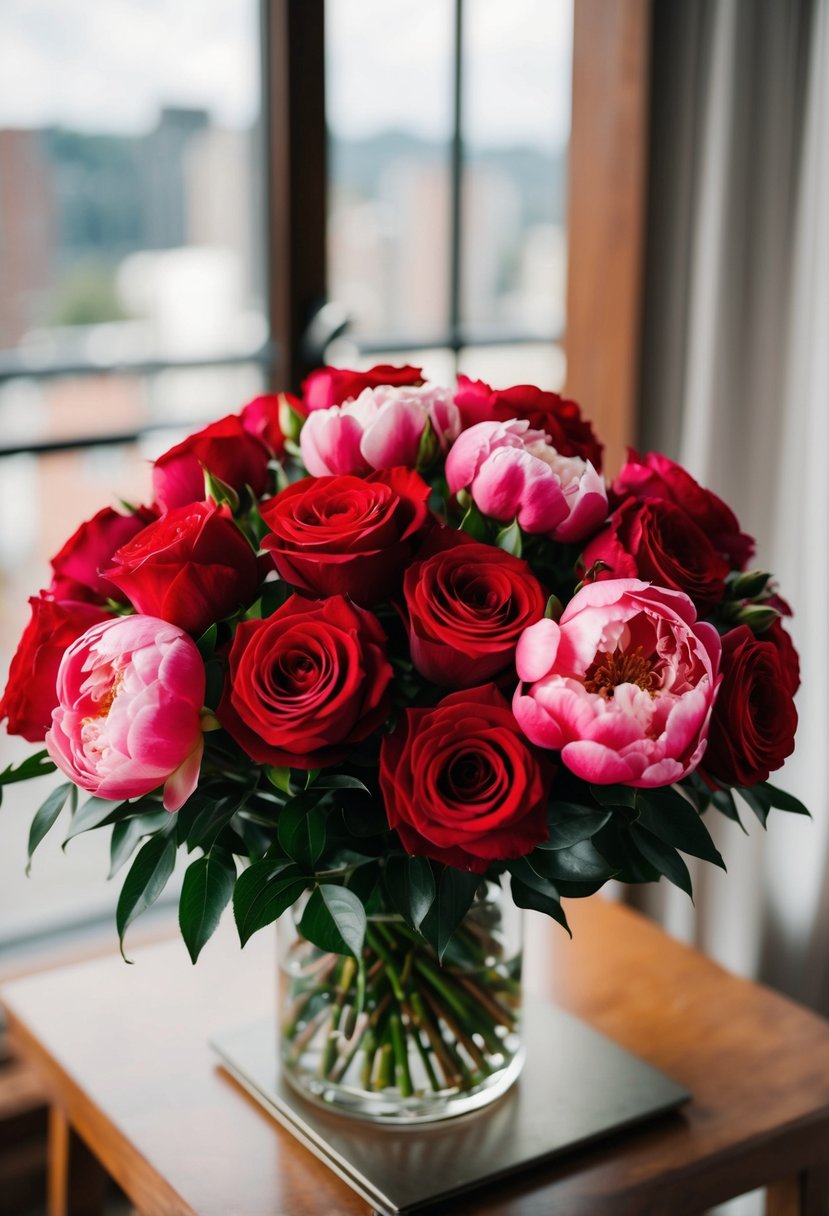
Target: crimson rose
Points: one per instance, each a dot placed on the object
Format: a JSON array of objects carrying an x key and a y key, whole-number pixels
[
  {"x": 226, "y": 449},
  {"x": 467, "y": 607},
  {"x": 570, "y": 434},
  {"x": 89, "y": 550},
  {"x": 333, "y": 385},
  {"x": 191, "y": 567},
  {"x": 348, "y": 535},
  {"x": 657, "y": 541},
  {"x": 462, "y": 784},
  {"x": 655, "y": 476},
  {"x": 306, "y": 683},
  {"x": 31, "y": 690},
  {"x": 754, "y": 719}
]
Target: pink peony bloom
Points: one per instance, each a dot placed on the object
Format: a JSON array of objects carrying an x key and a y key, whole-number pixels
[
  {"x": 130, "y": 693},
  {"x": 380, "y": 429},
  {"x": 623, "y": 686},
  {"x": 513, "y": 472}
]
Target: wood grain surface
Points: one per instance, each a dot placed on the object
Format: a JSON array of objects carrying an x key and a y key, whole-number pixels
[{"x": 123, "y": 1050}]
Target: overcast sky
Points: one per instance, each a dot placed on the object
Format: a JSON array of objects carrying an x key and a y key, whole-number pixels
[{"x": 108, "y": 65}]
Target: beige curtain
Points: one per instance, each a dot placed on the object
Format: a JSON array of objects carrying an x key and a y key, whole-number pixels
[{"x": 736, "y": 386}]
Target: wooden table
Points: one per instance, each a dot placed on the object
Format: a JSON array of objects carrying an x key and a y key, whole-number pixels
[{"x": 123, "y": 1054}]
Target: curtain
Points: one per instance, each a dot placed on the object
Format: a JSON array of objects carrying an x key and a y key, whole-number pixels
[{"x": 735, "y": 385}]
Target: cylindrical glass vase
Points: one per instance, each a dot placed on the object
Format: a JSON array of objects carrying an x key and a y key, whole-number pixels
[{"x": 427, "y": 1040}]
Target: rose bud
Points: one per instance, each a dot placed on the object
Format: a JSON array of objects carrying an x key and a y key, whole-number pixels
[
  {"x": 89, "y": 550},
  {"x": 306, "y": 683},
  {"x": 262, "y": 417},
  {"x": 129, "y": 697},
  {"x": 512, "y": 472},
  {"x": 348, "y": 535},
  {"x": 462, "y": 785},
  {"x": 30, "y": 694},
  {"x": 467, "y": 605},
  {"x": 333, "y": 385},
  {"x": 622, "y": 686},
  {"x": 226, "y": 449},
  {"x": 191, "y": 567}
]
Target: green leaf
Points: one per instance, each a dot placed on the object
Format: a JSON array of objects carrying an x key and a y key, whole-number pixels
[
  {"x": 509, "y": 539},
  {"x": 340, "y": 781},
  {"x": 783, "y": 801},
  {"x": 334, "y": 920},
  {"x": 526, "y": 896},
  {"x": 95, "y": 813},
  {"x": 670, "y": 817},
  {"x": 723, "y": 800},
  {"x": 757, "y": 801},
  {"x": 204, "y": 816},
  {"x": 568, "y": 823},
  {"x": 411, "y": 886},
  {"x": 614, "y": 795},
  {"x": 455, "y": 893},
  {"x": 128, "y": 832},
  {"x": 663, "y": 858},
  {"x": 38, "y": 765},
  {"x": 281, "y": 778},
  {"x": 301, "y": 831},
  {"x": 207, "y": 642},
  {"x": 205, "y": 893},
  {"x": 522, "y": 868},
  {"x": 147, "y": 878},
  {"x": 47, "y": 815},
  {"x": 474, "y": 524},
  {"x": 263, "y": 892},
  {"x": 579, "y": 862}
]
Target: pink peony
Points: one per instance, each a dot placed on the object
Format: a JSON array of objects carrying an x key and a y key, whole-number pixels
[
  {"x": 513, "y": 472},
  {"x": 130, "y": 693},
  {"x": 380, "y": 429},
  {"x": 623, "y": 686}
]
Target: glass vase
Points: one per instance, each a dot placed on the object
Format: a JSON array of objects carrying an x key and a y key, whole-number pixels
[{"x": 428, "y": 1040}]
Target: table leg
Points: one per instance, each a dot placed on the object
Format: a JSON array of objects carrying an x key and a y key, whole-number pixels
[
  {"x": 805, "y": 1194},
  {"x": 77, "y": 1180}
]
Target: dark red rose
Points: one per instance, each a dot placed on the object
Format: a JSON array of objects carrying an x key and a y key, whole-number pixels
[
  {"x": 226, "y": 449},
  {"x": 467, "y": 606},
  {"x": 656, "y": 541},
  {"x": 754, "y": 720},
  {"x": 306, "y": 683},
  {"x": 30, "y": 694},
  {"x": 333, "y": 385},
  {"x": 655, "y": 476},
  {"x": 260, "y": 418},
  {"x": 89, "y": 550},
  {"x": 462, "y": 784},
  {"x": 191, "y": 567},
  {"x": 789, "y": 658},
  {"x": 348, "y": 535},
  {"x": 561, "y": 419}
]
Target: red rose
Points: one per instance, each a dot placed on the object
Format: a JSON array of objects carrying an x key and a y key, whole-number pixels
[
  {"x": 333, "y": 385},
  {"x": 30, "y": 694},
  {"x": 467, "y": 607},
  {"x": 306, "y": 683},
  {"x": 754, "y": 719},
  {"x": 226, "y": 449},
  {"x": 260, "y": 418},
  {"x": 89, "y": 550},
  {"x": 656, "y": 541},
  {"x": 789, "y": 658},
  {"x": 655, "y": 476},
  {"x": 561, "y": 419},
  {"x": 191, "y": 567},
  {"x": 348, "y": 535},
  {"x": 462, "y": 784}
]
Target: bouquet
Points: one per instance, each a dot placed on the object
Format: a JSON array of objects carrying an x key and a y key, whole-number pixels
[{"x": 371, "y": 652}]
